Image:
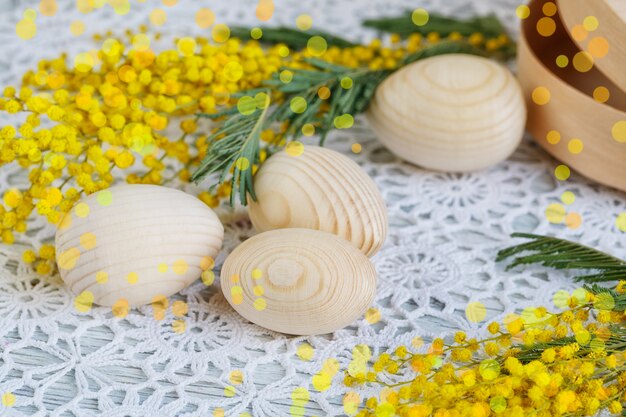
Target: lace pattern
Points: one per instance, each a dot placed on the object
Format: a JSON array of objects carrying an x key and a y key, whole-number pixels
[{"x": 445, "y": 230}]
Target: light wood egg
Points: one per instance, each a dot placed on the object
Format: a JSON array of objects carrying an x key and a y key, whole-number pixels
[
  {"x": 450, "y": 113},
  {"x": 298, "y": 281},
  {"x": 318, "y": 188},
  {"x": 132, "y": 243}
]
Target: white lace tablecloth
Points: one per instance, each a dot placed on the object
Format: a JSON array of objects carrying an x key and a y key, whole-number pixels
[{"x": 445, "y": 230}]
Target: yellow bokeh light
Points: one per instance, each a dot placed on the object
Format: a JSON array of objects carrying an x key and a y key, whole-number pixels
[
  {"x": 522, "y": 11},
  {"x": 549, "y": 8},
  {"x": 256, "y": 33},
  {"x": 583, "y": 61},
  {"x": 286, "y": 76},
  {"x": 207, "y": 262},
  {"x": 67, "y": 260},
  {"x": 304, "y": 22},
  {"x": 102, "y": 277},
  {"x": 235, "y": 377},
  {"x": 305, "y": 351},
  {"x": 561, "y": 299},
  {"x": 575, "y": 146},
  {"x": 298, "y": 104},
  {"x": 601, "y": 94},
  {"x": 205, "y": 18},
  {"x": 356, "y": 148},
  {"x": 555, "y": 213},
  {"x": 77, "y": 28},
  {"x": 233, "y": 71},
  {"x": 265, "y": 10},
  {"x": 120, "y": 308},
  {"x": 48, "y": 7},
  {"x": 180, "y": 266},
  {"x": 351, "y": 402},
  {"x": 579, "y": 33},
  {"x": 220, "y": 33},
  {"x": 620, "y": 222},
  {"x": 598, "y": 47},
  {"x": 229, "y": 391},
  {"x": 84, "y": 62},
  {"x": 242, "y": 163},
  {"x": 158, "y": 17},
  {"x": 317, "y": 45},
  {"x": 562, "y": 172},
  {"x": 83, "y": 301},
  {"x": 132, "y": 277},
  {"x": 258, "y": 290},
  {"x": 8, "y": 399},
  {"x": 541, "y": 96},
  {"x": 260, "y": 304},
  {"x": 476, "y": 312},
  {"x": 546, "y": 26},
  {"x": 591, "y": 23},
  {"x": 346, "y": 83},
  {"x": 179, "y": 308},
  {"x": 562, "y": 61},
  {"x": 372, "y": 315},
  {"x": 294, "y": 148},
  {"x": 323, "y": 93},
  {"x": 618, "y": 131},
  {"x": 573, "y": 220},
  {"x": 345, "y": 121},
  {"x": 88, "y": 240},
  {"x": 321, "y": 381},
  {"x": 186, "y": 46},
  {"x": 489, "y": 369},
  {"x": 179, "y": 326},
  {"x": 30, "y": 14},
  {"x": 568, "y": 197},
  {"x": 81, "y": 210},
  {"x": 553, "y": 137},
  {"x": 26, "y": 29},
  {"x": 420, "y": 17},
  {"x": 141, "y": 42},
  {"x": 208, "y": 277}
]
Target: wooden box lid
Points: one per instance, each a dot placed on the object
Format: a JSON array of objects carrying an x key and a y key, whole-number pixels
[{"x": 599, "y": 28}]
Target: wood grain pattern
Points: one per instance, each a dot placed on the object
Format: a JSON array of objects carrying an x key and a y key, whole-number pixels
[
  {"x": 611, "y": 15},
  {"x": 320, "y": 189},
  {"x": 159, "y": 237},
  {"x": 298, "y": 281},
  {"x": 450, "y": 113},
  {"x": 572, "y": 110}
]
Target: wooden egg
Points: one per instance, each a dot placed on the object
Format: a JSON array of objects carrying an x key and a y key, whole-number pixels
[
  {"x": 298, "y": 281},
  {"x": 450, "y": 113},
  {"x": 131, "y": 243},
  {"x": 318, "y": 188}
]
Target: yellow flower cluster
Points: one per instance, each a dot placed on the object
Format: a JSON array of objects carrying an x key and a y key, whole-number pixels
[
  {"x": 80, "y": 124},
  {"x": 537, "y": 364}
]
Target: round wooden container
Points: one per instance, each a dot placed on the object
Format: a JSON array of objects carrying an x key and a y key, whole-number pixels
[
  {"x": 606, "y": 24},
  {"x": 567, "y": 109}
]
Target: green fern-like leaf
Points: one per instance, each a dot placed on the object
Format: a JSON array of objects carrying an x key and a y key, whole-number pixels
[{"x": 563, "y": 254}]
